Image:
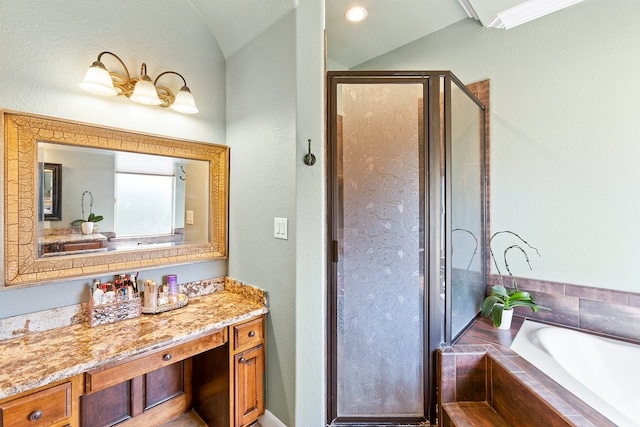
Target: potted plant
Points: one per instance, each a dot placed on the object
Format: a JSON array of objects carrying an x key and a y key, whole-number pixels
[
  {"x": 501, "y": 301},
  {"x": 87, "y": 224}
]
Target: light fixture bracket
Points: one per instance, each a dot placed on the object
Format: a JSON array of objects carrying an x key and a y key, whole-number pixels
[{"x": 125, "y": 85}]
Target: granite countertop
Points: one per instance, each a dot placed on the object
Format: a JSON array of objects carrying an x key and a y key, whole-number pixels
[
  {"x": 41, "y": 358},
  {"x": 72, "y": 238}
]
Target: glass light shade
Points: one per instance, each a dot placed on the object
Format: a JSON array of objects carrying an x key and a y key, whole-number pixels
[
  {"x": 97, "y": 80},
  {"x": 145, "y": 92},
  {"x": 184, "y": 102}
]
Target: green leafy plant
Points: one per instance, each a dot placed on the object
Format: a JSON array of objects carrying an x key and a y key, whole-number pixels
[
  {"x": 92, "y": 217},
  {"x": 502, "y": 298}
]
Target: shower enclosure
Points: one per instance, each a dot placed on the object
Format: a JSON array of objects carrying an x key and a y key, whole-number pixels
[{"x": 406, "y": 235}]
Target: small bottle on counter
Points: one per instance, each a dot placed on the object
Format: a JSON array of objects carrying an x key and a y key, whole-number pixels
[
  {"x": 150, "y": 293},
  {"x": 98, "y": 293},
  {"x": 163, "y": 298},
  {"x": 172, "y": 283}
]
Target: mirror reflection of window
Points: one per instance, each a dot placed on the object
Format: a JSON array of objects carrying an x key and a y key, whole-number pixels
[
  {"x": 144, "y": 204},
  {"x": 47, "y": 191},
  {"x": 48, "y": 184},
  {"x": 145, "y": 190}
]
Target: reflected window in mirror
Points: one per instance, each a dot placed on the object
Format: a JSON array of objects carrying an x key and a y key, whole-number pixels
[{"x": 145, "y": 205}]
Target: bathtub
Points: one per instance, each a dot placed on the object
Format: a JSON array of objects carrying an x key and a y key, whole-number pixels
[{"x": 604, "y": 373}]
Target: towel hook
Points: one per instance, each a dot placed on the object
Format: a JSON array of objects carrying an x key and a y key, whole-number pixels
[{"x": 309, "y": 159}]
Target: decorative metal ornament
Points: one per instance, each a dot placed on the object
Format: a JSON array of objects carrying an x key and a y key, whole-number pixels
[{"x": 309, "y": 159}]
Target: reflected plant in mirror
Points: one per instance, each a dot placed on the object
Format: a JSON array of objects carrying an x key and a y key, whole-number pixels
[{"x": 87, "y": 224}]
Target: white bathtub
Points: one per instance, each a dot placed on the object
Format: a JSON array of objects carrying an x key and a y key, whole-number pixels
[{"x": 604, "y": 373}]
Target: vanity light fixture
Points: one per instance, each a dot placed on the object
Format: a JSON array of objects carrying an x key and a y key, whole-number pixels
[
  {"x": 143, "y": 90},
  {"x": 356, "y": 14}
]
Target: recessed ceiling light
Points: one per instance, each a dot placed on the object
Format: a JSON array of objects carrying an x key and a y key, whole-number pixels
[{"x": 356, "y": 14}]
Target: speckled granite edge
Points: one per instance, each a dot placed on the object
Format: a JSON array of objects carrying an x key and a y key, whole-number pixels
[
  {"x": 249, "y": 292},
  {"x": 40, "y": 321}
]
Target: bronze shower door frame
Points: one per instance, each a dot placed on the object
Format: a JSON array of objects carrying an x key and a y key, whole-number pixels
[{"x": 436, "y": 137}]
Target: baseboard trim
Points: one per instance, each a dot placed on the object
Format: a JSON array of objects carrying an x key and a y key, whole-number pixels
[{"x": 270, "y": 420}]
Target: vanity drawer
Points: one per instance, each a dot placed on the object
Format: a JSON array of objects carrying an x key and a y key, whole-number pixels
[
  {"x": 42, "y": 408},
  {"x": 248, "y": 334},
  {"x": 99, "y": 379}
]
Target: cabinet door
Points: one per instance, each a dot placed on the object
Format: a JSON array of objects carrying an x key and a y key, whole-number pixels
[
  {"x": 108, "y": 406},
  {"x": 249, "y": 378},
  {"x": 146, "y": 400}
]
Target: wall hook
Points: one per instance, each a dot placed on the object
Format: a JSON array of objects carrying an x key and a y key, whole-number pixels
[{"x": 309, "y": 159}]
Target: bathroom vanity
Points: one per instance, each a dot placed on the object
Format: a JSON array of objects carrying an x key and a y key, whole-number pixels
[
  {"x": 56, "y": 370},
  {"x": 208, "y": 356}
]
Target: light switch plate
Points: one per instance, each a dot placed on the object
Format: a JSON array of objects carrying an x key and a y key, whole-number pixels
[
  {"x": 189, "y": 217},
  {"x": 280, "y": 228}
]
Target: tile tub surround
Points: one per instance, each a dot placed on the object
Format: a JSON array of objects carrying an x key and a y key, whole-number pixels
[
  {"x": 604, "y": 311},
  {"x": 481, "y": 366},
  {"x": 40, "y": 358}
]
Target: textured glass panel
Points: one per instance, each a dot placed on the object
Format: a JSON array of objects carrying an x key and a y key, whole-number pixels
[
  {"x": 380, "y": 286},
  {"x": 467, "y": 286}
]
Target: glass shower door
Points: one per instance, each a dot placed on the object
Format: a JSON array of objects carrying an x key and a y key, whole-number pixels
[
  {"x": 467, "y": 210},
  {"x": 380, "y": 308},
  {"x": 406, "y": 238}
]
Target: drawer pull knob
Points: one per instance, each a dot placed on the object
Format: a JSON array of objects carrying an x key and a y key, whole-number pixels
[
  {"x": 252, "y": 334},
  {"x": 242, "y": 360},
  {"x": 35, "y": 415},
  {"x": 166, "y": 357}
]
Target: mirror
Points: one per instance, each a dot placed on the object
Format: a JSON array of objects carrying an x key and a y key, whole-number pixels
[
  {"x": 136, "y": 200},
  {"x": 180, "y": 188},
  {"x": 51, "y": 191}
]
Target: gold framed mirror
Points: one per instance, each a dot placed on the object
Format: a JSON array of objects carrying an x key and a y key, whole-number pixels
[{"x": 25, "y": 260}]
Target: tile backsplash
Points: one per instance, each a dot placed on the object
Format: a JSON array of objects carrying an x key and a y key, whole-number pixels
[
  {"x": 599, "y": 310},
  {"x": 18, "y": 326}
]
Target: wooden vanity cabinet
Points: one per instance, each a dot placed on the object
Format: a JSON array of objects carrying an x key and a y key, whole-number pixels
[
  {"x": 247, "y": 365},
  {"x": 146, "y": 390},
  {"x": 220, "y": 375},
  {"x": 54, "y": 405}
]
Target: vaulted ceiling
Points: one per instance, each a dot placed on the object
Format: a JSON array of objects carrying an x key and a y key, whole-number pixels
[{"x": 389, "y": 24}]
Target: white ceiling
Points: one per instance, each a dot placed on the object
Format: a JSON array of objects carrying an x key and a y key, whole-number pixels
[
  {"x": 235, "y": 23},
  {"x": 389, "y": 24}
]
